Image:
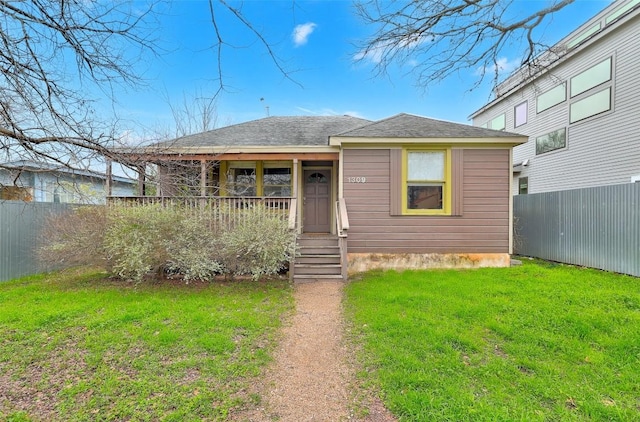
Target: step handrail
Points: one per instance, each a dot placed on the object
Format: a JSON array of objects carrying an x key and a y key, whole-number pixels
[{"x": 342, "y": 227}]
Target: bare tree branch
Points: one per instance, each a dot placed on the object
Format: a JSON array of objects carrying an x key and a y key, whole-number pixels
[
  {"x": 220, "y": 43},
  {"x": 443, "y": 37},
  {"x": 52, "y": 55}
]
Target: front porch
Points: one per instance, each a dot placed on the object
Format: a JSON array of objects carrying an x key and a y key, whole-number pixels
[
  {"x": 320, "y": 255},
  {"x": 302, "y": 190}
]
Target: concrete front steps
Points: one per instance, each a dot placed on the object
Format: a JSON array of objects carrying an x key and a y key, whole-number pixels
[{"x": 318, "y": 259}]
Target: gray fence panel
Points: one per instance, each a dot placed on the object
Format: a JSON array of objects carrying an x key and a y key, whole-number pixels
[
  {"x": 20, "y": 227},
  {"x": 594, "y": 227}
]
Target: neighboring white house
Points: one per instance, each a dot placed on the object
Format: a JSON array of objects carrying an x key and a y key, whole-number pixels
[
  {"x": 581, "y": 112},
  {"x": 41, "y": 182}
]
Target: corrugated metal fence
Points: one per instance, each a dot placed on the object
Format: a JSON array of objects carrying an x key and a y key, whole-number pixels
[
  {"x": 20, "y": 225},
  {"x": 594, "y": 227}
]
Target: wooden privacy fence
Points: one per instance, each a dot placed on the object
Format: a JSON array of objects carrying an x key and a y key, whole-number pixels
[{"x": 594, "y": 227}]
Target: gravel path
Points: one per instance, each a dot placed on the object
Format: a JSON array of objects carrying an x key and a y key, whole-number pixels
[{"x": 311, "y": 377}]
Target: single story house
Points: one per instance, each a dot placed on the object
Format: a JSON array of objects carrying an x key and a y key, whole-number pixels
[
  {"x": 27, "y": 180},
  {"x": 402, "y": 192}
]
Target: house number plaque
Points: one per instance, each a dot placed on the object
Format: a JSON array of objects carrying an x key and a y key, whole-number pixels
[{"x": 357, "y": 179}]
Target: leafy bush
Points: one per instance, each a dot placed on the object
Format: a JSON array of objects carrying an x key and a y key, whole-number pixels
[
  {"x": 137, "y": 238},
  {"x": 133, "y": 242},
  {"x": 260, "y": 245},
  {"x": 193, "y": 250}
]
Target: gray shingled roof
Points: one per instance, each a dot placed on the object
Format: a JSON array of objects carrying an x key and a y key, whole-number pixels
[
  {"x": 273, "y": 131},
  {"x": 409, "y": 126}
]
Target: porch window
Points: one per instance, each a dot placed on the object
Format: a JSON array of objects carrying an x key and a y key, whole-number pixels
[
  {"x": 426, "y": 182},
  {"x": 241, "y": 179},
  {"x": 276, "y": 179},
  {"x": 259, "y": 178}
]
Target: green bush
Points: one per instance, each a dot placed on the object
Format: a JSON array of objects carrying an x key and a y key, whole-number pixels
[
  {"x": 260, "y": 244},
  {"x": 194, "y": 249},
  {"x": 136, "y": 241}
]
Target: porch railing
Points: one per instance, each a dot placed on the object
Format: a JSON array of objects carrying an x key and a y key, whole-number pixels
[
  {"x": 342, "y": 227},
  {"x": 224, "y": 211}
]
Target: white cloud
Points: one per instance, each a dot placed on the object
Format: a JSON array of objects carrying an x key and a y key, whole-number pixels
[
  {"x": 302, "y": 32},
  {"x": 375, "y": 52},
  {"x": 330, "y": 112},
  {"x": 502, "y": 65}
]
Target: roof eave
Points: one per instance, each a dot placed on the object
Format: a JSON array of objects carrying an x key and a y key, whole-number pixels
[
  {"x": 566, "y": 56},
  {"x": 357, "y": 140},
  {"x": 212, "y": 150}
]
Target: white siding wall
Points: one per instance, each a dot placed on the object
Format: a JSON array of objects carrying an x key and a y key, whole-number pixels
[{"x": 601, "y": 150}]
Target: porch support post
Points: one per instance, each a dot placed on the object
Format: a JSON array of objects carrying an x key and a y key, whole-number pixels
[
  {"x": 203, "y": 178},
  {"x": 141, "y": 180},
  {"x": 295, "y": 178},
  {"x": 107, "y": 180},
  {"x": 296, "y": 203}
]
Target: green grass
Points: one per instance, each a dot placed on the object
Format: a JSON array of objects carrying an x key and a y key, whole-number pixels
[
  {"x": 540, "y": 342},
  {"x": 78, "y": 346}
]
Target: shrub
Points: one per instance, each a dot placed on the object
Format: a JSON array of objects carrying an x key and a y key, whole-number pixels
[
  {"x": 260, "y": 244},
  {"x": 194, "y": 249},
  {"x": 134, "y": 241},
  {"x": 75, "y": 238}
]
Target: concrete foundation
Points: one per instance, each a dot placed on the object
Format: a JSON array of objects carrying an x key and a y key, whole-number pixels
[{"x": 359, "y": 262}]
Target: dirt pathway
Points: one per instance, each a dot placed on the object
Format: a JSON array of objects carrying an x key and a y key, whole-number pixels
[{"x": 311, "y": 377}]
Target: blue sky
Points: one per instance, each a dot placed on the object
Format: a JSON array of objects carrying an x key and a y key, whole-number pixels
[{"x": 314, "y": 41}]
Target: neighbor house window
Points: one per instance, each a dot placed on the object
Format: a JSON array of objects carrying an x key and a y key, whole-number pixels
[
  {"x": 551, "y": 141},
  {"x": 276, "y": 179},
  {"x": 523, "y": 185},
  {"x": 620, "y": 12},
  {"x": 520, "y": 114},
  {"x": 426, "y": 184},
  {"x": 591, "y": 77},
  {"x": 499, "y": 122},
  {"x": 590, "y": 106},
  {"x": 551, "y": 98},
  {"x": 241, "y": 179},
  {"x": 586, "y": 34}
]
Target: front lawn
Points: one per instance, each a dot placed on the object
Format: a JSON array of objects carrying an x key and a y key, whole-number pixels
[
  {"x": 79, "y": 346},
  {"x": 540, "y": 342}
]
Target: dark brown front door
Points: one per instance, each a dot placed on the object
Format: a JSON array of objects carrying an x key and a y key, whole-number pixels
[{"x": 317, "y": 199}]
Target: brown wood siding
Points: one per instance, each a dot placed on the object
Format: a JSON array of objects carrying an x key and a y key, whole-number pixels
[
  {"x": 457, "y": 180},
  {"x": 482, "y": 227},
  {"x": 395, "y": 155}
]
